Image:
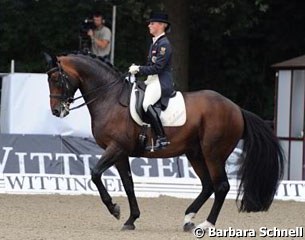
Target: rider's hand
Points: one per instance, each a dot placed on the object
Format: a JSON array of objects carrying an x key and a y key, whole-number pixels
[{"x": 134, "y": 69}]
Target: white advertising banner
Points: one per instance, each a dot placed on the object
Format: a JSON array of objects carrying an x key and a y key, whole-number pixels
[
  {"x": 44, "y": 164},
  {"x": 144, "y": 187},
  {"x": 25, "y": 109}
]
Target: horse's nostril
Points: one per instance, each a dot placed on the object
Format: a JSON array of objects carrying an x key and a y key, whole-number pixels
[{"x": 56, "y": 112}]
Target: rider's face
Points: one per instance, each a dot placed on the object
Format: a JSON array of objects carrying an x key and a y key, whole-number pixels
[{"x": 156, "y": 28}]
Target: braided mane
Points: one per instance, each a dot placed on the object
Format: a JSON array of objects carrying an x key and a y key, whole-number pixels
[{"x": 92, "y": 56}]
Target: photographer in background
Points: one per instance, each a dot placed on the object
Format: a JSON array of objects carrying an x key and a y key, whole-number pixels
[{"x": 100, "y": 36}]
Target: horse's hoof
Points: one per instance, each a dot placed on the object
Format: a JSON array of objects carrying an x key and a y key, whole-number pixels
[
  {"x": 206, "y": 225},
  {"x": 188, "y": 227},
  {"x": 116, "y": 211},
  {"x": 128, "y": 227}
]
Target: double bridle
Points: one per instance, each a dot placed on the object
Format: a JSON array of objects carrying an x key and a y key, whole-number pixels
[
  {"x": 64, "y": 83},
  {"x": 67, "y": 96}
]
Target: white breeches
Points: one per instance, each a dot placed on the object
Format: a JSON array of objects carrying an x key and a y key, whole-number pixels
[{"x": 152, "y": 92}]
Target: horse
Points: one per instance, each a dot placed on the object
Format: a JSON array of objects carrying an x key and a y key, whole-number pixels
[{"x": 214, "y": 126}]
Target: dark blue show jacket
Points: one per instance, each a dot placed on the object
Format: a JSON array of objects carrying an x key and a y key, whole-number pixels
[{"x": 159, "y": 62}]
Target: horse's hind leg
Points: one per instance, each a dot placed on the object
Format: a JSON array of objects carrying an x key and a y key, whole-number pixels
[
  {"x": 197, "y": 161},
  {"x": 215, "y": 161},
  {"x": 123, "y": 167}
]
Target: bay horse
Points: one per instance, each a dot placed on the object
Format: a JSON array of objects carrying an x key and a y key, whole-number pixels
[{"x": 212, "y": 130}]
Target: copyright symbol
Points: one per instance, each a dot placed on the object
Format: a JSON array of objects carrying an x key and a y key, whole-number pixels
[{"x": 199, "y": 232}]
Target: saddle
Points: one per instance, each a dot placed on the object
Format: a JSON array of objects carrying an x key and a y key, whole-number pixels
[
  {"x": 159, "y": 106},
  {"x": 171, "y": 110}
]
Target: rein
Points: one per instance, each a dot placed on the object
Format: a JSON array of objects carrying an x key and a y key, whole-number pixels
[{"x": 91, "y": 92}]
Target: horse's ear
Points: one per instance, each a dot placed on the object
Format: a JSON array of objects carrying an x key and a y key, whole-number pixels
[{"x": 50, "y": 60}]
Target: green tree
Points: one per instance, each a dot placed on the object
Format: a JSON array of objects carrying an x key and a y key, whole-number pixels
[
  {"x": 233, "y": 44},
  {"x": 179, "y": 36},
  {"x": 224, "y": 45}
]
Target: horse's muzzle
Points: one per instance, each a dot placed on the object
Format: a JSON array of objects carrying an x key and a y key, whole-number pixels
[{"x": 61, "y": 110}]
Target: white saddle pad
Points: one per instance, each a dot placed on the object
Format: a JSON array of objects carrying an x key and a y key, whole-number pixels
[{"x": 173, "y": 116}]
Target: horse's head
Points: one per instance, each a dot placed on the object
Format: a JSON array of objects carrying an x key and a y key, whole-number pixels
[
  {"x": 95, "y": 78},
  {"x": 62, "y": 85}
]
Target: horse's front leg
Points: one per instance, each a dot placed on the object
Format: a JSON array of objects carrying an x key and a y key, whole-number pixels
[
  {"x": 123, "y": 167},
  {"x": 112, "y": 154}
]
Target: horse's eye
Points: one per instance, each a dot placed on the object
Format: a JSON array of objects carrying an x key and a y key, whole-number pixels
[
  {"x": 57, "y": 82},
  {"x": 54, "y": 80}
]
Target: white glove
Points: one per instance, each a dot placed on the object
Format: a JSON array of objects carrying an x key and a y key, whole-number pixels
[{"x": 134, "y": 69}]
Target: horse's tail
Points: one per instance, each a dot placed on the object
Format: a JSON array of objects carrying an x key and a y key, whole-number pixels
[{"x": 262, "y": 166}]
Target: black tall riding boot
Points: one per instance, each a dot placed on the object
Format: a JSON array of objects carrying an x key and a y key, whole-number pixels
[{"x": 154, "y": 120}]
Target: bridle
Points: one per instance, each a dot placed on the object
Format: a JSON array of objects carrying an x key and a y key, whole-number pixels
[
  {"x": 64, "y": 83},
  {"x": 67, "y": 96}
]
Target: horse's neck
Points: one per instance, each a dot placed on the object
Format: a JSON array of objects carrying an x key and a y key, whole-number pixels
[{"x": 96, "y": 93}]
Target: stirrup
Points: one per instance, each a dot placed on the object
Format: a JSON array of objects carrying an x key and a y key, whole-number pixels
[{"x": 161, "y": 143}]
